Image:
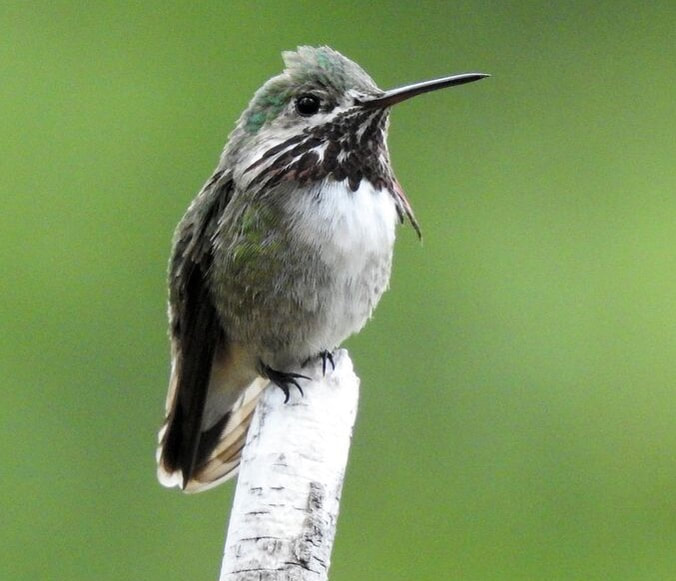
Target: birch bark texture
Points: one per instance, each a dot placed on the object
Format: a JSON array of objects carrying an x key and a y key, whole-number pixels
[{"x": 283, "y": 519}]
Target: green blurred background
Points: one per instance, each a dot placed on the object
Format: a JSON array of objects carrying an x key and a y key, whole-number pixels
[{"x": 517, "y": 418}]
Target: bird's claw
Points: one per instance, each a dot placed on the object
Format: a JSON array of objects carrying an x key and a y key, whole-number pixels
[
  {"x": 327, "y": 356},
  {"x": 284, "y": 380}
]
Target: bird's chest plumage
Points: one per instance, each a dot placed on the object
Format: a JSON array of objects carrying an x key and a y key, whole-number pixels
[
  {"x": 351, "y": 231},
  {"x": 330, "y": 265}
]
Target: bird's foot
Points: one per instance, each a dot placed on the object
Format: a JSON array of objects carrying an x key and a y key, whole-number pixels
[
  {"x": 325, "y": 356},
  {"x": 284, "y": 380}
]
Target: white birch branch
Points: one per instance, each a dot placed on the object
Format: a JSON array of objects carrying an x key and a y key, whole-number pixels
[{"x": 283, "y": 519}]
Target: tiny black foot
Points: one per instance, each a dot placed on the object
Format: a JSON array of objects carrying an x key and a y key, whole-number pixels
[
  {"x": 284, "y": 380},
  {"x": 327, "y": 356}
]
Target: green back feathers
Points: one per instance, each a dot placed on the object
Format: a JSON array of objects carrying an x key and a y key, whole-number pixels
[{"x": 307, "y": 69}]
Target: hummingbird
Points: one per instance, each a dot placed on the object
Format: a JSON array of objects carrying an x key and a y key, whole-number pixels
[{"x": 283, "y": 254}]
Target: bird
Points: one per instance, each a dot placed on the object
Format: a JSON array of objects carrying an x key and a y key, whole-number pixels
[{"x": 283, "y": 254}]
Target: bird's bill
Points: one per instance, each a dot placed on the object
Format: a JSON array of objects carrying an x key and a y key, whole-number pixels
[{"x": 394, "y": 96}]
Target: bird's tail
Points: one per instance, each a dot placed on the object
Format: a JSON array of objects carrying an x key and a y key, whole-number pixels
[{"x": 224, "y": 439}]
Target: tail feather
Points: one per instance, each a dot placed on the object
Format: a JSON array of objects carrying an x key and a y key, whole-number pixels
[
  {"x": 225, "y": 439},
  {"x": 224, "y": 459}
]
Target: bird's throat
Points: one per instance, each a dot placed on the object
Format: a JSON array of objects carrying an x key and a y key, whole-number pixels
[{"x": 348, "y": 148}]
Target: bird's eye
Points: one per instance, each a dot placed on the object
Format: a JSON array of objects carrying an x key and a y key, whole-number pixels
[{"x": 307, "y": 105}]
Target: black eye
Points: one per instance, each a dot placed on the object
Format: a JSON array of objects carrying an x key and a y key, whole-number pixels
[{"x": 307, "y": 105}]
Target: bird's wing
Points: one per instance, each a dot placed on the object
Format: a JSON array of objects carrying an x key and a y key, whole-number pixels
[{"x": 193, "y": 455}]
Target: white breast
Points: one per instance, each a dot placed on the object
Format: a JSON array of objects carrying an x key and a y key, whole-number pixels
[
  {"x": 348, "y": 227},
  {"x": 353, "y": 232}
]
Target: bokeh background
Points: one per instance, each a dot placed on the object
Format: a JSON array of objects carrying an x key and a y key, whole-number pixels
[{"x": 518, "y": 409}]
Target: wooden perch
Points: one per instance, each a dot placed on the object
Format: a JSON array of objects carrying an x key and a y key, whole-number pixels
[{"x": 284, "y": 514}]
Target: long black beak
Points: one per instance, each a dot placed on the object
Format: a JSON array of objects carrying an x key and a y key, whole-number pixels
[{"x": 394, "y": 96}]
